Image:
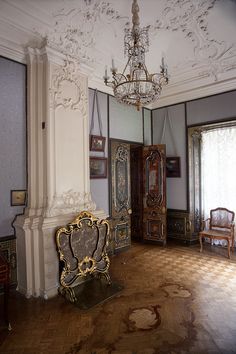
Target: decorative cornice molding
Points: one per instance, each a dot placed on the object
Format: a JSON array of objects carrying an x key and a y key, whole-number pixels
[
  {"x": 70, "y": 202},
  {"x": 68, "y": 75},
  {"x": 189, "y": 92},
  {"x": 12, "y": 50}
]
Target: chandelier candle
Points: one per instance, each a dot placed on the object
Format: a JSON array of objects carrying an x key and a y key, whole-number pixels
[{"x": 135, "y": 85}]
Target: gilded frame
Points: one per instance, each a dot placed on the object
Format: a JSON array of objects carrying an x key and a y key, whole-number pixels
[{"x": 18, "y": 197}]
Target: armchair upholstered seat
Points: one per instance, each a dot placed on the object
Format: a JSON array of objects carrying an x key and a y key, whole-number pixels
[{"x": 221, "y": 227}]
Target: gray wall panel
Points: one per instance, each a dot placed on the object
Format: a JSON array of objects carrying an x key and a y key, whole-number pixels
[
  {"x": 12, "y": 139},
  {"x": 126, "y": 122},
  {"x": 99, "y": 187},
  {"x": 214, "y": 108},
  {"x": 176, "y": 187}
]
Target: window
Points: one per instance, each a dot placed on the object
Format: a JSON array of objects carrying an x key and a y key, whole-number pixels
[
  {"x": 218, "y": 169},
  {"x": 212, "y": 169}
]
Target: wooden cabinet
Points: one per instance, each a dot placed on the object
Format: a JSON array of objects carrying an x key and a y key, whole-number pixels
[{"x": 179, "y": 226}]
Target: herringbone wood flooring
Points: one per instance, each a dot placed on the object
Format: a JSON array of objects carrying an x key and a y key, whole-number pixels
[{"x": 175, "y": 300}]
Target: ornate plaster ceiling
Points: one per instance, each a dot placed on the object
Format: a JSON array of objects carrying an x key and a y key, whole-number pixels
[{"x": 197, "y": 38}]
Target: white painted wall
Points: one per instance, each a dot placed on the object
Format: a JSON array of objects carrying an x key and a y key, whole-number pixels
[
  {"x": 68, "y": 159},
  {"x": 12, "y": 139},
  {"x": 175, "y": 187}
]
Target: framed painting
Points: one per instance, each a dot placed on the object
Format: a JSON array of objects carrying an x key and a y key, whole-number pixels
[
  {"x": 98, "y": 167},
  {"x": 173, "y": 167},
  {"x": 97, "y": 143},
  {"x": 18, "y": 197}
]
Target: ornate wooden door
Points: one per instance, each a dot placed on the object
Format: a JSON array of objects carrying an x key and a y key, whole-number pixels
[
  {"x": 121, "y": 196},
  {"x": 154, "y": 193}
]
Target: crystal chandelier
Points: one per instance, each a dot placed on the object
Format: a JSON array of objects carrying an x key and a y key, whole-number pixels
[{"x": 135, "y": 85}]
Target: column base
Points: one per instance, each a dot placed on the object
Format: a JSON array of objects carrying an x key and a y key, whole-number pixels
[{"x": 38, "y": 261}]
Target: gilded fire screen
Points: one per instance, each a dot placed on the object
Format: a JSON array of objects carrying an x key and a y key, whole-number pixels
[{"x": 82, "y": 248}]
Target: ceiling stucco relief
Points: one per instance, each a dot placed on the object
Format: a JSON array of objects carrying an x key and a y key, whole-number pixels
[
  {"x": 211, "y": 57},
  {"x": 196, "y": 36},
  {"x": 75, "y": 30}
]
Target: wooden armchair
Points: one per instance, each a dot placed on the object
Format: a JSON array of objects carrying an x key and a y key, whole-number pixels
[{"x": 221, "y": 227}]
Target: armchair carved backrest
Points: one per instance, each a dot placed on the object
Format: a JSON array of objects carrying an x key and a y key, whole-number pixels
[
  {"x": 221, "y": 227},
  {"x": 221, "y": 218},
  {"x": 82, "y": 248}
]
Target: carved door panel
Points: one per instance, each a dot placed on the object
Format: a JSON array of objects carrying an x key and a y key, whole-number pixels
[
  {"x": 121, "y": 196},
  {"x": 154, "y": 193},
  {"x": 136, "y": 172}
]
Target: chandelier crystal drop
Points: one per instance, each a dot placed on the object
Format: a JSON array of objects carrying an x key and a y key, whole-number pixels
[{"x": 135, "y": 85}]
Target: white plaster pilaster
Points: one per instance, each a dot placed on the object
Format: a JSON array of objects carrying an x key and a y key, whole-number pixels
[{"x": 58, "y": 166}]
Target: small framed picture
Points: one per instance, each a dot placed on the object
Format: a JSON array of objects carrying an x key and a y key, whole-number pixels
[
  {"x": 173, "y": 167},
  {"x": 18, "y": 197},
  {"x": 97, "y": 143},
  {"x": 98, "y": 167}
]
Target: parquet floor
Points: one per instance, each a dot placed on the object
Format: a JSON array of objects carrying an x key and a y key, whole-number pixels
[{"x": 175, "y": 300}]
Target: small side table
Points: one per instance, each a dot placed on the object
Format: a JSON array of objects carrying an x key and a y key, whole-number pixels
[{"x": 5, "y": 280}]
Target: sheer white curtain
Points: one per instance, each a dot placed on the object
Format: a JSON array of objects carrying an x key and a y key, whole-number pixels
[{"x": 218, "y": 169}]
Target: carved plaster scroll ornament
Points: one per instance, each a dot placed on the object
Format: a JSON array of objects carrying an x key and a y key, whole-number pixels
[
  {"x": 75, "y": 29},
  {"x": 211, "y": 57},
  {"x": 70, "y": 202},
  {"x": 66, "y": 90}
]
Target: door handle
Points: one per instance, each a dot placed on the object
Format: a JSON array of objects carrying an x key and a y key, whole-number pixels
[{"x": 129, "y": 211}]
